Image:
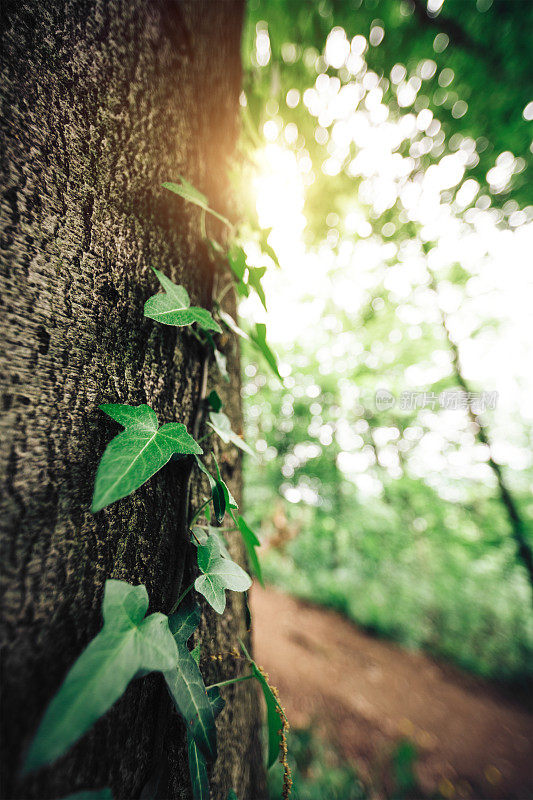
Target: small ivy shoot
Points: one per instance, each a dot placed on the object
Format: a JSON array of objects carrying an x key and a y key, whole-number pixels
[
  {"x": 221, "y": 424},
  {"x": 221, "y": 496},
  {"x": 188, "y": 192},
  {"x": 231, "y": 503},
  {"x": 137, "y": 453},
  {"x": 173, "y": 307},
  {"x": 214, "y": 401}
]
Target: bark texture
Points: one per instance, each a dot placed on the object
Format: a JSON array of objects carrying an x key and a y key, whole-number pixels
[{"x": 102, "y": 101}]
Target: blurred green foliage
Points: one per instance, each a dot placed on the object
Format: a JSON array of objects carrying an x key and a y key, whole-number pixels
[
  {"x": 407, "y": 563},
  {"x": 393, "y": 514},
  {"x": 317, "y": 770}
]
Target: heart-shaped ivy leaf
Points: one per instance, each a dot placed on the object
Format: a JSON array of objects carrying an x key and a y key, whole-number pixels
[
  {"x": 221, "y": 424},
  {"x": 126, "y": 647},
  {"x": 218, "y": 575},
  {"x": 174, "y": 307},
  {"x": 137, "y": 453}
]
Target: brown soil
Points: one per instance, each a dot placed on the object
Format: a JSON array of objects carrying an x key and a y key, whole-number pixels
[{"x": 365, "y": 695}]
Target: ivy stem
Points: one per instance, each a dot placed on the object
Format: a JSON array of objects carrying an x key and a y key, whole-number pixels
[
  {"x": 219, "y": 530},
  {"x": 207, "y": 435},
  {"x": 197, "y": 336},
  {"x": 180, "y": 598},
  {"x": 195, "y": 517},
  {"x": 225, "y": 290},
  {"x": 231, "y": 680}
]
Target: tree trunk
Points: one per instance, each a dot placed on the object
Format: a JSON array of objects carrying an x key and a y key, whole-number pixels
[{"x": 103, "y": 101}]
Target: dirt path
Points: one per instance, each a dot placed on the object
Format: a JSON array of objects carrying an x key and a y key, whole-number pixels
[{"x": 366, "y": 694}]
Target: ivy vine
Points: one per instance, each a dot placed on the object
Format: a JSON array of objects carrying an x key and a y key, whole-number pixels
[{"x": 130, "y": 644}]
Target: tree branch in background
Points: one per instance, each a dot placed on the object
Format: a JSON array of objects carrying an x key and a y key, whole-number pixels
[{"x": 481, "y": 433}]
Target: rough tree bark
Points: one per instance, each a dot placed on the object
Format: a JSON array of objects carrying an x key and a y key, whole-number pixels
[{"x": 102, "y": 101}]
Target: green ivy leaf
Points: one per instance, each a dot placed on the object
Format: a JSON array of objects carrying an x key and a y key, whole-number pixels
[
  {"x": 174, "y": 307},
  {"x": 186, "y": 685},
  {"x": 222, "y": 498},
  {"x": 206, "y": 472},
  {"x": 273, "y": 718},
  {"x": 266, "y": 247},
  {"x": 258, "y": 339},
  {"x": 218, "y": 575},
  {"x": 230, "y": 500},
  {"x": 196, "y": 653},
  {"x": 137, "y": 453},
  {"x": 221, "y": 424},
  {"x": 201, "y": 535},
  {"x": 216, "y": 700},
  {"x": 237, "y": 262},
  {"x": 126, "y": 647},
  {"x": 251, "y": 542},
  {"x": 214, "y": 400},
  {"x": 197, "y": 770},
  {"x": 255, "y": 274},
  {"x": 219, "y": 501},
  {"x": 188, "y": 192},
  {"x": 232, "y": 795},
  {"x": 185, "y": 620},
  {"x": 197, "y": 762}
]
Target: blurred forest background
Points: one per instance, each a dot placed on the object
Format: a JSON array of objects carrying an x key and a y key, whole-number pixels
[
  {"x": 390, "y": 161},
  {"x": 389, "y": 151}
]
